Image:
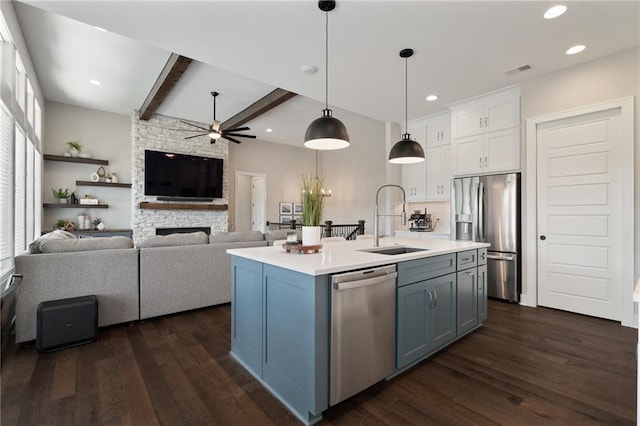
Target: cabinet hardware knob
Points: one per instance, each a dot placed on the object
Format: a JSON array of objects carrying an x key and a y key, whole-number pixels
[
  {"x": 542, "y": 237},
  {"x": 480, "y": 161},
  {"x": 485, "y": 161},
  {"x": 485, "y": 121}
]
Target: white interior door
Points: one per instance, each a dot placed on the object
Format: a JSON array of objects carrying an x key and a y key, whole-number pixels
[
  {"x": 258, "y": 199},
  {"x": 580, "y": 214}
]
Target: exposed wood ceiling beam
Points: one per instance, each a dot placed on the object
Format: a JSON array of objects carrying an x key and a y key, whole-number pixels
[
  {"x": 171, "y": 73},
  {"x": 259, "y": 107}
]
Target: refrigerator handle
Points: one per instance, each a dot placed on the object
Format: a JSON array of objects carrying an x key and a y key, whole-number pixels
[{"x": 480, "y": 209}]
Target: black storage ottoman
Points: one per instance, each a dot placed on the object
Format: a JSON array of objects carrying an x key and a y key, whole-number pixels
[{"x": 66, "y": 322}]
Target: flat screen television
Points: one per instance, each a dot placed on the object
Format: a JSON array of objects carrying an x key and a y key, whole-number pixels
[{"x": 182, "y": 176}]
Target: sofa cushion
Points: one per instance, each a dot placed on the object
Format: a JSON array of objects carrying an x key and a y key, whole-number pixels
[
  {"x": 235, "y": 237},
  {"x": 177, "y": 239},
  {"x": 58, "y": 234},
  {"x": 85, "y": 244}
]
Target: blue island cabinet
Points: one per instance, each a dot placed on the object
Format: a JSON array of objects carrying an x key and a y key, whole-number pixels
[{"x": 280, "y": 333}]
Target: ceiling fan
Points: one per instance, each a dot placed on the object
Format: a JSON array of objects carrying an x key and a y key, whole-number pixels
[{"x": 214, "y": 131}]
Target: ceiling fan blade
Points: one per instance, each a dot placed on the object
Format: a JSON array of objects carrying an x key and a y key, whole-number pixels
[
  {"x": 196, "y": 136},
  {"x": 238, "y": 135},
  {"x": 231, "y": 139},
  {"x": 237, "y": 129},
  {"x": 191, "y": 124}
]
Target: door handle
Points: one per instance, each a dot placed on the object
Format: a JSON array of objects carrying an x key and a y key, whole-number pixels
[
  {"x": 542, "y": 237},
  {"x": 481, "y": 122},
  {"x": 430, "y": 300},
  {"x": 494, "y": 257}
]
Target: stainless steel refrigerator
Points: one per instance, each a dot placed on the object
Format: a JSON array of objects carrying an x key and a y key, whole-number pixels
[{"x": 487, "y": 209}]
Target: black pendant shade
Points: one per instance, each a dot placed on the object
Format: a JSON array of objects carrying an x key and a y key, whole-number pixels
[
  {"x": 326, "y": 133},
  {"x": 406, "y": 151}
]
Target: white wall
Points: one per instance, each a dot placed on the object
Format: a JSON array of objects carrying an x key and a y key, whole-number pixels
[
  {"x": 104, "y": 135},
  {"x": 613, "y": 77}
]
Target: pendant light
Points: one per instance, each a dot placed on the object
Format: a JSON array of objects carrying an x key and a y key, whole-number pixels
[
  {"x": 406, "y": 151},
  {"x": 326, "y": 132}
]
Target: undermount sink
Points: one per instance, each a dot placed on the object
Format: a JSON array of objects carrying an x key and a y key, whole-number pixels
[{"x": 394, "y": 250}]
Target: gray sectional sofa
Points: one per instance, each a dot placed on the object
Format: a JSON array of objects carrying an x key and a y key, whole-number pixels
[{"x": 163, "y": 275}]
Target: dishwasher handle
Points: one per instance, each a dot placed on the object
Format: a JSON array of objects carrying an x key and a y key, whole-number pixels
[{"x": 366, "y": 282}]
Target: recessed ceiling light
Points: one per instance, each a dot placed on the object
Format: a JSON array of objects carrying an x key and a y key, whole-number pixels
[
  {"x": 95, "y": 82},
  {"x": 575, "y": 49},
  {"x": 100, "y": 29},
  {"x": 432, "y": 98},
  {"x": 268, "y": 130},
  {"x": 555, "y": 11}
]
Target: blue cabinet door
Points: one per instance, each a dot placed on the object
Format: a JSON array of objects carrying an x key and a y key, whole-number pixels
[
  {"x": 247, "y": 313},
  {"x": 482, "y": 293},
  {"x": 411, "y": 333},
  {"x": 442, "y": 315},
  {"x": 467, "y": 315}
]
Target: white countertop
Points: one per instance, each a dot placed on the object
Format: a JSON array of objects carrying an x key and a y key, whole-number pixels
[{"x": 345, "y": 256}]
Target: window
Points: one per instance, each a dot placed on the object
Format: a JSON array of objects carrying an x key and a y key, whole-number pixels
[
  {"x": 6, "y": 191},
  {"x": 20, "y": 187},
  {"x": 20, "y": 156}
]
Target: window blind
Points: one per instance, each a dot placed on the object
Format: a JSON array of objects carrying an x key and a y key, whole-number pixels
[
  {"x": 6, "y": 191},
  {"x": 20, "y": 198}
]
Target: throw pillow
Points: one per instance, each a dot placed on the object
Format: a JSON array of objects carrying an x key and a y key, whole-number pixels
[
  {"x": 58, "y": 234},
  {"x": 177, "y": 239},
  {"x": 86, "y": 244}
]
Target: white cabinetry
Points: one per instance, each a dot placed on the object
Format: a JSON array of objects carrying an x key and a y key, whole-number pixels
[
  {"x": 438, "y": 173},
  {"x": 438, "y": 157},
  {"x": 414, "y": 176},
  {"x": 486, "y": 134}
]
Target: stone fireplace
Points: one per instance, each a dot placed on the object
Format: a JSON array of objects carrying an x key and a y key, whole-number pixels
[{"x": 162, "y": 133}]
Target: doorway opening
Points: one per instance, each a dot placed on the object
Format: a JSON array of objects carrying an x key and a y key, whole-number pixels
[{"x": 250, "y": 202}]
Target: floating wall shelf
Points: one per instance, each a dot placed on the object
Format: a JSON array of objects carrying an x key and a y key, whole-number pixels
[
  {"x": 113, "y": 185},
  {"x": 74, "y": 206},
  {"x": 62, "y": 158}
]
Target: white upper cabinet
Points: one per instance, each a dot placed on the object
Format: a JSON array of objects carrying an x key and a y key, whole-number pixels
[
  {"x": 486, "y": 134},
  {"x": 414, "y": 176},
  {"x": 438, "y": 173},
  {"x": 497, "y": 112},
  {"x": 438, "y": 129}
]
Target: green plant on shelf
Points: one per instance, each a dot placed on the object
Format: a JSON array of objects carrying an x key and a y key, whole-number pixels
[
  {"x": 97, "y": 221},
  {"x": 60, "y": 224},
  {"x": 60, "y": 193},
  {"x": 74, "y": 145}
]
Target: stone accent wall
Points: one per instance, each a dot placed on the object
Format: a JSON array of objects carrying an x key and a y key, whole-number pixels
[{"x": 160, "y": 134}]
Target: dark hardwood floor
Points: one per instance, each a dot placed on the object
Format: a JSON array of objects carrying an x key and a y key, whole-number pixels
[{"x": 525, "y": 366}]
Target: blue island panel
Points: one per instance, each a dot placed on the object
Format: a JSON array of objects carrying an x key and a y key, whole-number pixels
[
  {"x": 246, "y": 313},
  {"x": 296, "y": 344}
]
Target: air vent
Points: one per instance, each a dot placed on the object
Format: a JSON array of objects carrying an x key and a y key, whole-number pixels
[{"x": 521, "y": 68}]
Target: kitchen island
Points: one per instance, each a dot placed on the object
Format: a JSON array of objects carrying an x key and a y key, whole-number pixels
[{"x": 281, "y": 309}]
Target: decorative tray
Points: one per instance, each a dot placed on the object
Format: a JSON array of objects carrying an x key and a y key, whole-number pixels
[{"x": 300, "y": 248}]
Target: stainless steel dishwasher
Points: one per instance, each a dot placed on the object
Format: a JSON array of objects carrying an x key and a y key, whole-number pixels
[{"x": 363, "y": 321}]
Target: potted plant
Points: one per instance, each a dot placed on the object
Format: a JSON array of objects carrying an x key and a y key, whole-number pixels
[
  {"x": 60, "y": 224},
  {"x": 61, "y": 195},
  {"x": 98, "y": 224},
  {"x": 74, "y": 148},
  {"x": 312, "y": 209}
]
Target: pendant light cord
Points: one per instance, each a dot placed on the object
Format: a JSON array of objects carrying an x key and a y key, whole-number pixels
[
  {"x": 406, "y": 97},
  {"x": 326, "y": 60}
]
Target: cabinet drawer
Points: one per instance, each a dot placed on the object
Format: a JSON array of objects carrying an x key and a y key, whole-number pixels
[
  {"x": 482, "y": 256},
  {"x": 423, "y": 269},
  {"x": 467, "y": 259}
]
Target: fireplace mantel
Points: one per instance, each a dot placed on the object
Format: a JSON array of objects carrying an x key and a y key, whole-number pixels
[{"x": 182, "y": 206}]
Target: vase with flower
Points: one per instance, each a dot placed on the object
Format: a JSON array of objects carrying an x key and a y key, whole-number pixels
[{"x": 312, "y": 209}]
